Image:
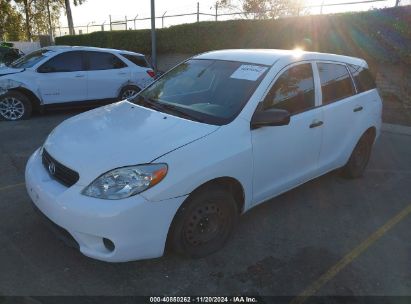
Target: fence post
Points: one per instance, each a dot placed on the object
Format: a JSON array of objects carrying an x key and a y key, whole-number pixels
[
  {"x": 216, "y": 11},
  {"x": 162, "y": 19},
  {"x": 126, "y": 23},
  {"x": 198, "y": 11},
  {"x": 111, "y": 28},
  {"x": 397, "y": 2}
]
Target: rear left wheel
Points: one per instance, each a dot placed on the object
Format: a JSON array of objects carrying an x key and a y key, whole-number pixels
[
  {"x": 128, "y": 92},
  {"x": 15, "y": 106},
  {"x": 359, "y": 158}
]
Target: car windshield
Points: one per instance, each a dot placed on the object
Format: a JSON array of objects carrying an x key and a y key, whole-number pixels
[
  {"x": 210, "y": 91},
  {"x": 30, "y": 60}
]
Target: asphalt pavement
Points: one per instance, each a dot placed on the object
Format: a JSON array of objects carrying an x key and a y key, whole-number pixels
[{"x": 330, "y": 236}]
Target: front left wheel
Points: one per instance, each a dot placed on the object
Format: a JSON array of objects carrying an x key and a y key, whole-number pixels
[
  {"x": 15, "y": 106},
  {"x": 204, "y": 223}
]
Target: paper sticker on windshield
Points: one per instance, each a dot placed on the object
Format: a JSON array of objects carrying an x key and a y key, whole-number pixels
[{"x": 249, "y": 72}]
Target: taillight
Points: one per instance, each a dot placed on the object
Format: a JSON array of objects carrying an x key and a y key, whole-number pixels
[{"x": 151, "y": 73}]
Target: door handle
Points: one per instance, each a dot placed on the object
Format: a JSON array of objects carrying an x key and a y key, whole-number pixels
[
  {"x": 316, "y": 124},
  {"x": 122, "y": 73},
  {"x": 79, "y": 76},
  {"x": 358, "y": 109}
]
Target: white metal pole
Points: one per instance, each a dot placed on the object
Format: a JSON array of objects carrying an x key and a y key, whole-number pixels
[{"x": 153, "y": 37}]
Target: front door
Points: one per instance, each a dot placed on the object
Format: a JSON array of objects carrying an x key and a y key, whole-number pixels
[
  {"x": 285, "y": 156},
  {"x": 63, "y": 78}
]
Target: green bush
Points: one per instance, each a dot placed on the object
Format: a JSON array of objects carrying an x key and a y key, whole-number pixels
[{"x": 382, "y": 35}]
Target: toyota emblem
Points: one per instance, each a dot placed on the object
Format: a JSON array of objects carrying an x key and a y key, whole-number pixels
[{"x": 52, "y": 168}]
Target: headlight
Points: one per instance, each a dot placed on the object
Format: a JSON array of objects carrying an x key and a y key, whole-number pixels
[{"x": 125, "y": 182}]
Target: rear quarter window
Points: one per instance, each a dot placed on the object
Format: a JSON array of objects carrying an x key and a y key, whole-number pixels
[
  {"x": 364, "y": 81},
  {"x": 137, "y": 60}
]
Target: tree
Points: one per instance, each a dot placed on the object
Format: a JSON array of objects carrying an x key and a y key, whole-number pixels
[
  {"x": 264, "y": 9},
  {"x": 40, "y": 16},
  {"x": 67, "y": 7},
  {"x": 11, "y": 22}
]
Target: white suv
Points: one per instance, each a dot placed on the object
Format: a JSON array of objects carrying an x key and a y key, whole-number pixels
[
  {"x": 209, "y": 140},
  {"x": 70, "y": 76}
]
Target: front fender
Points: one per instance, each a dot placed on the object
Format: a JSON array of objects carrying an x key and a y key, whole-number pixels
[{"x": 225, "y": 153}]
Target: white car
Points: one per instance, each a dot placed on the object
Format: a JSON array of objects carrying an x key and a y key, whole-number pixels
[
  {"x": 212, "y": 138},
  {"x": 70, "y": 76}
]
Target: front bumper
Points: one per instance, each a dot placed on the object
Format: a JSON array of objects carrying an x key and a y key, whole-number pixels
[{"x": 137, "y": 227}]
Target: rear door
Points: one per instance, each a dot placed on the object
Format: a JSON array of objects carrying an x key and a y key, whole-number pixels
[
  {"x": 107, "y": 74},
  {"x": 63, "y": 78},
  {"x": 342, "y": 114}
]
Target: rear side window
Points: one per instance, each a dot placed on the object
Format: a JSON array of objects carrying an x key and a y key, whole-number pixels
[
  {"x": 137, "y": 60},
  {"x": 65, "y": 62},
  {"x": 293, "y": 91},
  {"x": 98, "y": 61},
  {"x": 362, "y": 77},
  {"x": 336, "y": 82}
]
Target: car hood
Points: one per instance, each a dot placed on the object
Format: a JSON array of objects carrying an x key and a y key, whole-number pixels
[
  {"x": 119, "y": 135},
  {"x": 5, "y": 70}
]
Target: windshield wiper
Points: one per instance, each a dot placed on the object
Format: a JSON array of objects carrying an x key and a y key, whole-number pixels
[
  {"x": 166, "y": 108},
  {"x": 177, "y": 110},
  {"x": 148, "y": 102}
]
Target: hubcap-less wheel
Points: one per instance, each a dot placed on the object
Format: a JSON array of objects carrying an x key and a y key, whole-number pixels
[
  {"x": 128, "y": 93},
  {"x": 204, "y": 224},
  {"x": 11, "y": 108}
]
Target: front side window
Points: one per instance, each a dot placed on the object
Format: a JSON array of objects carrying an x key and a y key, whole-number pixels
[
  {"x": 293, "y": 91},
  {"x": 211, "y": 91},
  {"x": 362, "y": 77},
  {"x": 336, "y": 82},
  {"x": 98, "y": 61},
  {"x": 31, "y": 59},
  {"x": 63, "y": 63}
]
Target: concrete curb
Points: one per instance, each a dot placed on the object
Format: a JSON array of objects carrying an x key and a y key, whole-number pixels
[{"x": 396, "y": 129}]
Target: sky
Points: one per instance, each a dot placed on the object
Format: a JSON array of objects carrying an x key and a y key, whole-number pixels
[{"x": 96, "y": 12}]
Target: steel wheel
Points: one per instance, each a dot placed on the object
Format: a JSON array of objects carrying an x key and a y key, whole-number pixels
[
  {"x": 12, "y": 108},
  {"x": 204, "y": 224},
  {"x": 359, "y": 158}
]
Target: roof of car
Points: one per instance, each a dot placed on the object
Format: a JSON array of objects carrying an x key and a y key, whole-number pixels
[
  {"x": 63, "y": 48},
  {"x": 270, "y": 56}
]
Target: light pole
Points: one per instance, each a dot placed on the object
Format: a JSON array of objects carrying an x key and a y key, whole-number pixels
[{"x": 153, "y": 37}]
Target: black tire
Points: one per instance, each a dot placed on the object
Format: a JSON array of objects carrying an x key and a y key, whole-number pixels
[
  {"x": 359, "y": 158},
  {"x": 126, "y": 92},
  {"x": 15, "y": 106},
  {"x": 204, "y": 223}
]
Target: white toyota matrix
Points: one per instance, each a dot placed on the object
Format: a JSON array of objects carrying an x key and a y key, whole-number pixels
[{"x": 177, "y": 164}]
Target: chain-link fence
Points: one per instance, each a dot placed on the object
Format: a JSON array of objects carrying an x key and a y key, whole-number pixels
[{"x": 216, "y": 13}]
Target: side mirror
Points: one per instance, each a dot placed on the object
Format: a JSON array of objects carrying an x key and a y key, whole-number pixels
[{"x": 273, "y": 117}]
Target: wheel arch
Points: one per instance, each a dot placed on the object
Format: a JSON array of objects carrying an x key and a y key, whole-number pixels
[
  {"x": 35, "y": 101},
  {"x": 128, "y": 84},
  {"x": 228, "y": 183}
]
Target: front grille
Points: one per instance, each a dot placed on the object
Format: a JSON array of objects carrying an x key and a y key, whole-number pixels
[{"x": 58, "y": 171}]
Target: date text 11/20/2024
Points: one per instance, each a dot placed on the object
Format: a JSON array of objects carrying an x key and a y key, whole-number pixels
[{"x": 235, "y": 299}]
